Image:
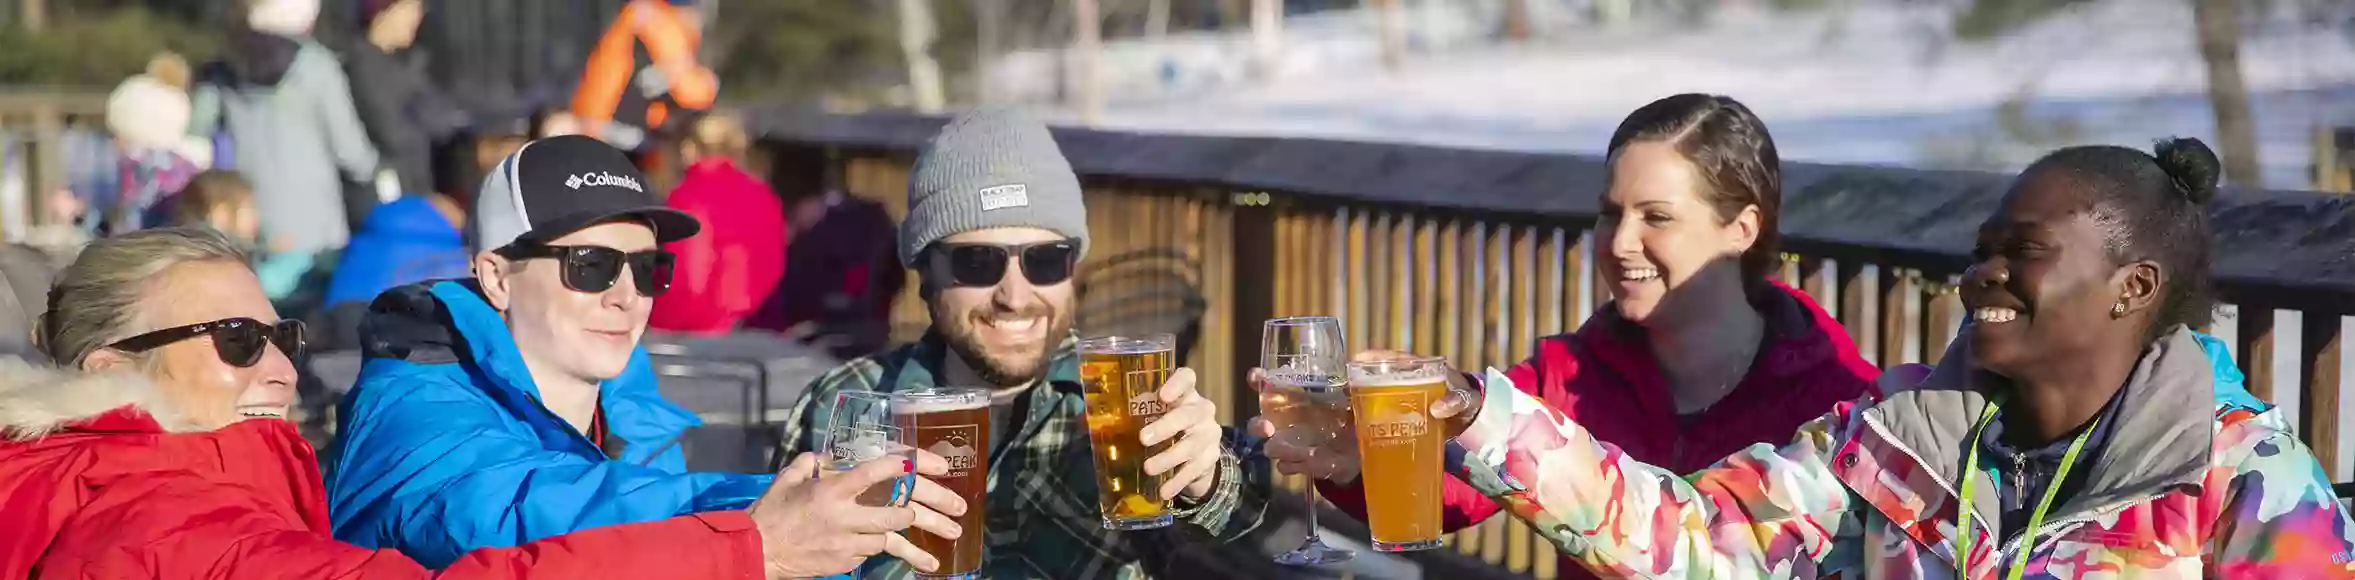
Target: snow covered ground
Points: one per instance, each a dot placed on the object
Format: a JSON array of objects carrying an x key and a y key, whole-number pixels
[{"x": 1878, "y": 83}]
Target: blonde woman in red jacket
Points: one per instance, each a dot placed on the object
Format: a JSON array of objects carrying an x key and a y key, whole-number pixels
[
  {"x": 1699, "y": 353},
  {"x": 161, "y": 450}
]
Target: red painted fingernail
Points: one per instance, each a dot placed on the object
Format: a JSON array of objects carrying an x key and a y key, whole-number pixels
[{"x": 909, "y": 464}]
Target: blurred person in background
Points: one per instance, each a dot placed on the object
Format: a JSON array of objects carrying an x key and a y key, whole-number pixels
[
  {"x": 404, "y": 112},
  {"x": 160, "y": 450},
  {"x": 842, "y": 269},
  {"x": 148, "y": 117},
  {"x": 224, "y": 201},
  {"x": 284, "y": 102},
  {"x": 517, "y": 405},
  {"x": 413, "y": 239},
  {"x": 725, "y": 272},
  {"x": 643, "y": 76}
]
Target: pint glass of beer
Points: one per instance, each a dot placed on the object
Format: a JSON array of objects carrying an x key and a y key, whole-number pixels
[
  {"x": 954, "y": 424},
  {"x": 1399, "y": 448},
  {"x": 1123, "y": 377}
]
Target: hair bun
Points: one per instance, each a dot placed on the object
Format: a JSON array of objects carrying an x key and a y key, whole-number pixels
[{"x": 2193, "y": 167}]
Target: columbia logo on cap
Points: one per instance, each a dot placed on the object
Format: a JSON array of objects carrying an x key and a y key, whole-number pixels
[{"x": 603, "y": 178}]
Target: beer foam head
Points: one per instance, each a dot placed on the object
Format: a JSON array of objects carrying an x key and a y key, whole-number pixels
[
  {"x": 1127, "y": 344},
  {"x": 938, "y": 400},
  {"x": 1393, "y": 381},
  {"x": 1398, "y": 373}
]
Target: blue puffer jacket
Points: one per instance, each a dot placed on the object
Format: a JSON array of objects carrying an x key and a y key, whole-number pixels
[
  {"x": 403, "y": 242},
  {"x": 444, "y": 445}
]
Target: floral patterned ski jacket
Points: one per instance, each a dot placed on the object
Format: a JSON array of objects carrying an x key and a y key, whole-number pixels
[{"x": 2200, "y": 480}]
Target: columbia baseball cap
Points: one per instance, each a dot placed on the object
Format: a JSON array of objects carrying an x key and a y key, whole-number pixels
[{"x": 560, "y": 185}]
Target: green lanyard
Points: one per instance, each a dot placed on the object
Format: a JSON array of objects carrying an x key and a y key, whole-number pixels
[{"x": 1962, "y": 519}]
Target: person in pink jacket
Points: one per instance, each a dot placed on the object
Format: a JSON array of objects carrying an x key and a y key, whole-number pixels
[
  {"x": 728, "y": 271},
  {"x": 2079, "y": 430},
  {"x": 1700, "y": 352}
]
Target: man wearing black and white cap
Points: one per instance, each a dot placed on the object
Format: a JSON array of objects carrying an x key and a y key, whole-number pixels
[{"x": 517, "y": 405}]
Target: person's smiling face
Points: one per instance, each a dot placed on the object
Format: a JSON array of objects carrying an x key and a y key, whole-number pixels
[{"x": 2042, "y": 283}]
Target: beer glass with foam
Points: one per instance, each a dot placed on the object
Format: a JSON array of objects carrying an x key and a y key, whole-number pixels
[
  {"x": 952, "y": 423},
  {"x": 1123, "y": 376},
  {"x": 1400, "y": 448}
]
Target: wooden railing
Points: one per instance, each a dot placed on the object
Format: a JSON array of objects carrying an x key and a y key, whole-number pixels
[{"x": 1474, "y": 255}]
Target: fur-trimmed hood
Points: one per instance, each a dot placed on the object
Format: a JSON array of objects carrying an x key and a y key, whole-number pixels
[{"x": 37, "y": 400}]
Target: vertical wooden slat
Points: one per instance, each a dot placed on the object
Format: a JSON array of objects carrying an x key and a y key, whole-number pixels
[
  {"x": 2256, "y": 348},
  {"x": 1428, "y": 303},
  {"x": 1361, "y": 322},
  {"x": 1558, "y": 264},
  {"x": 2319, "y": 341},
  {"x": 1452, "y": 305},
  {"x": 1405, "y": 267},
  {"x": 1942, "y": 309},
  {"x": 1811, "y": 281},
  {"x": 1896, "y": 285},
  {"x": 1382, "y": 253},
  {"x": 1858, "y": 308}
]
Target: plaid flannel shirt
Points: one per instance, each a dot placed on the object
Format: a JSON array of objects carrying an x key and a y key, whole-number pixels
[{"x": 1042, "y": 516}]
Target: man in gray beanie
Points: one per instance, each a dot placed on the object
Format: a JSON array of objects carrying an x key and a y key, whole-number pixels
[{"x": 995, "y": 230}]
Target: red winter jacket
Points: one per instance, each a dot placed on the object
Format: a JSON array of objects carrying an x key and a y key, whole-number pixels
[
  {"x": 1604, "y": 377},
  {"x": 728, "y": 271},
  {"x": 94, "y": 486}
]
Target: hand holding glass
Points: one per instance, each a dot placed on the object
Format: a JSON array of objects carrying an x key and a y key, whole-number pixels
[{"x": 1302, "y": 387}]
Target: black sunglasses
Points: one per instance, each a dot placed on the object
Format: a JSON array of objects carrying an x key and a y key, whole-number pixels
[
  {"x": 238, "y": 341},
  {"x": 596, "y": 268},
  {"x": 1043, "y": 263}
]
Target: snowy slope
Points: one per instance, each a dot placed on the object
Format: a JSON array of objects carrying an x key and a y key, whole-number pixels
[{"x": 1880, "y": 83}]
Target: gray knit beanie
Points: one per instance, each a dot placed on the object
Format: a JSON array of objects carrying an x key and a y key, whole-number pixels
[{"x": 991, "y": 168}]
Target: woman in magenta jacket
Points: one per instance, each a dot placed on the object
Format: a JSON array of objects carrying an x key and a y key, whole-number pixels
[
  {"x": 728, "y": 271},
  {"x": 1700, "y": 353}
]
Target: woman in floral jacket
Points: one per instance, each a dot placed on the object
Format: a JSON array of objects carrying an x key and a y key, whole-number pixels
[{"x": 2090, "y": 433}]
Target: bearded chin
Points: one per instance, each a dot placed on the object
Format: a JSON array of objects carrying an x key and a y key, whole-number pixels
[{"x": 1027, "y": 368}]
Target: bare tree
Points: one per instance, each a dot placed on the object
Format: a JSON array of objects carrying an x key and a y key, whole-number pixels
[
  {"x": 1157, "y": 19},
  {"x": 1391, "y": 20},
  {"x": 1267, "y": 35},
  {"x": 917, "y": 30},
  {"x": 1086, "y": 49},
  {"x": 1517, "y": 20},
  {"x": 2219, "y": 23}
]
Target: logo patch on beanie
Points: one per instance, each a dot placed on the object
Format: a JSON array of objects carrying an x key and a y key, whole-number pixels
[{"x": 1005, "y": 196}]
